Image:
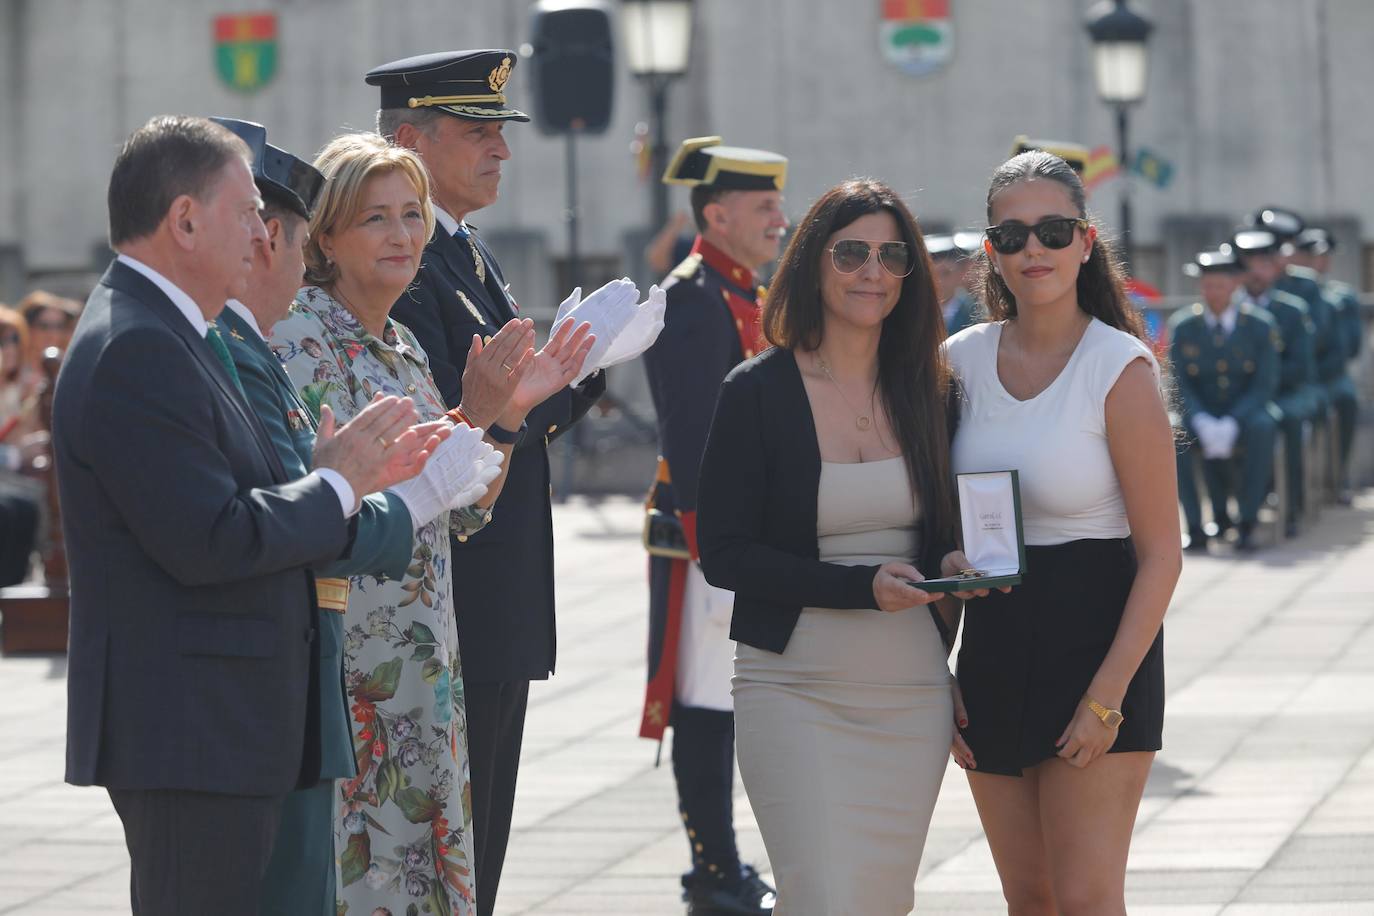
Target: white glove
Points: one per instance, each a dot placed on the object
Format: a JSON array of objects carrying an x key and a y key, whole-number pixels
[
  {"x": 609, "y": 311},
  {"x": 1227, "y": 431},
  {"x": 640, "y": 334},
  {"x": 456, "y": 475}
]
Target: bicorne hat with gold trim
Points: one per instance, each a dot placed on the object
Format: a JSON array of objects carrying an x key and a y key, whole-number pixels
[
  {"x": 468, "y": 84},
  {"x": 703, "y": 161}
]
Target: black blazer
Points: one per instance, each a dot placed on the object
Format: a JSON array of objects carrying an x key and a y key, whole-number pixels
[
  {"x": 503, "y": 575},
  {"x": 756, "y": 507},
  {"x": 192, "y": 606}
]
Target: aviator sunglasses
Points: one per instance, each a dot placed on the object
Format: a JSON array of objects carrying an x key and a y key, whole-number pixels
[
  {"x": 1055, "y": 232},
  {"x": 850, "y": 255}
]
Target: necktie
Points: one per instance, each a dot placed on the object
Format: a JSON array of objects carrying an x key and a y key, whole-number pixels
[{"x": 216, "y": 341}]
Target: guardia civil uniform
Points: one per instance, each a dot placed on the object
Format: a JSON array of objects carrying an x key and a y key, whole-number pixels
[
  {"x": 300, "y": 878},
  {"x": 1297, "y": 364},
  {"x": 961, "y": 309},
  {"x": 1333, "y": 367},
  {"x": 1225, "y": 365},
  {"x": 712, "y": 323}
]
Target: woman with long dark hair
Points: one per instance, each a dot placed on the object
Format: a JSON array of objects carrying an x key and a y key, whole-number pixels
[
  {"x": 1063, "y": 677},
  {"x": 825, "y": 491}
]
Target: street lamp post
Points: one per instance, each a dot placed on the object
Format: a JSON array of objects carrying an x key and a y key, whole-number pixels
[
  {"x": 658, "y": 41},
  {"x": 1120, "y": 65}
]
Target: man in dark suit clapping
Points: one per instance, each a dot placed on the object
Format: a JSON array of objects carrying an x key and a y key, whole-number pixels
[{"x": 192, "y": 610}]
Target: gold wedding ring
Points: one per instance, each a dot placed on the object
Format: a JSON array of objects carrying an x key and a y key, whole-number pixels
[
  {"x": 507, "y": 368},
  {"x": 381, "y": 440}
]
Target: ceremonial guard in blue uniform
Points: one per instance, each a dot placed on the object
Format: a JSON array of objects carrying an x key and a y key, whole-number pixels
[
  {"x": 1313, "y": 251},
  {"x": 950, "y": 258},
  {"x": 1225, "y": 354},
  {"x": 1259, "y": 251},
  {"x": 711, "y": 325},
  {"x": 300, "y": 879},
  {"x": 450, "y": 107}
]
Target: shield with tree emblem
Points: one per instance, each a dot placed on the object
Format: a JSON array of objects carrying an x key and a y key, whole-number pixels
[
  {"x": 917, "y": 35},
  {"x": 246, "y": 50}
]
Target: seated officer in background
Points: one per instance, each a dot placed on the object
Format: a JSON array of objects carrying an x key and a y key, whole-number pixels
[
  {"x": 1328, "y": 343},
  {"x": 710, "y": 326},
  {"x": 1225, "y": 355},
  {"x": 950, "y": 257},
  {"x": 1312, "y": 250},
  {"x": 1259, "y": 253}
]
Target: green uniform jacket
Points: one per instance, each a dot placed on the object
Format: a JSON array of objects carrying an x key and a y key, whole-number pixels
[
  {"x": 1328, "y": 341},
  {"x": 1347, "y": 304},
  {"x": 1297, "y": 359},
  {"x": 966, "y": 314},
  {"x": 385, "y": 530},
  {"x": 1234, "y": 375}
]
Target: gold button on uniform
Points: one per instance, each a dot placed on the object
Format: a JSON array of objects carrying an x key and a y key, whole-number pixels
[
  {"x": 411, "y": 388},
  {"x": 553, "y": 428}
]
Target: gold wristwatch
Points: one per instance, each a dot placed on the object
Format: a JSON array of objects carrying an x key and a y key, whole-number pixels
[{"x": 1112, "y": 718}]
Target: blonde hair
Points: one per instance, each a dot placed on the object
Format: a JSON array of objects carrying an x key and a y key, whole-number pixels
[{"x": 347, "y": 162}]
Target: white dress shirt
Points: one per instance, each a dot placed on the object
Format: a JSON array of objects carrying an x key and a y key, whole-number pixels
[
  {"x": 184, "y": 303},
  {"x": 1226, "y": 320},
  {"x": 445, "y": 219}
]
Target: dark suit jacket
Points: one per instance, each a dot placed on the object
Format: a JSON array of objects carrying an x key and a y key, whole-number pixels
[
  {"x": 503, "y": 577},
  {"x": 192, "y": 608},
  {"x": 381, "y": 548},
  {"x": 756, "y": 507}
]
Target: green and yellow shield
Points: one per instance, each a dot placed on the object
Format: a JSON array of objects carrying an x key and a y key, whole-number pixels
[{"x": 246, "y": 50}]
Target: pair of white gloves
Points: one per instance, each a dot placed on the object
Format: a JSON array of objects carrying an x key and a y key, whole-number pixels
[
  {"x": 1216, "y": 435},
  {"x": 456, "y": 475},
  {"x": 624, "y": 326}
]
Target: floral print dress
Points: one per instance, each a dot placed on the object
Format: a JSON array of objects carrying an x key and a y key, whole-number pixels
[{"x": 403, "y": 825}]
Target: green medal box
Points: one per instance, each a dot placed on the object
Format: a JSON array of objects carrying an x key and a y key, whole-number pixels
[{"x": 994, "y": 542}]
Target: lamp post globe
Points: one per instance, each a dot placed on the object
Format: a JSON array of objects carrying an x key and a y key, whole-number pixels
[
  {"x": 1121, "y": 68},
  {"x": 658, "y": 45}
]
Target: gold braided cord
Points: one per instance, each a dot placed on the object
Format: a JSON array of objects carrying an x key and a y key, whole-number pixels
[{"x": 429, "y": 100}]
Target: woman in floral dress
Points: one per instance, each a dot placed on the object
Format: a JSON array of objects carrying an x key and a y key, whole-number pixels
[{"x": 403, "y": 826}]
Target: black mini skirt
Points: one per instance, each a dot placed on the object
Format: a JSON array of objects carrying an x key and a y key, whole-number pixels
[{"x": 1028, "y": 656}]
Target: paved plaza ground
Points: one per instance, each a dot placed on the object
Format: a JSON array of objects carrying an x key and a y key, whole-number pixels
[{"x": 1262, "y": 801}]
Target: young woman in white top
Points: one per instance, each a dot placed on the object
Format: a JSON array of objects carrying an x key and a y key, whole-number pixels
[{"x": 1063, "y": 677}]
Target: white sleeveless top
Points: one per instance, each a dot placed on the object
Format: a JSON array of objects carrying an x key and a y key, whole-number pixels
[{"x": 1056, "y": 441}]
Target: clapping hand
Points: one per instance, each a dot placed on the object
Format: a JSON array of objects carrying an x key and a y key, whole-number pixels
[
  {"x": 494, "y": 370},
  {"x": 379, "y": 446},
  {"x": 457, "y": 475},
  {"x": 551, "y": 370}
]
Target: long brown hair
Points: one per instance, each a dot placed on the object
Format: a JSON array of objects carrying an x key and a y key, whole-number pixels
[
  {"x": 1101, "y": 281},
  {"x": 913, "y": 378}
]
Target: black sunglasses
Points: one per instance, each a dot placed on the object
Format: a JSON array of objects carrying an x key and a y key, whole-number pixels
[
  {"x": 1055, "y": 232},
  {"x": 850, "y": 255}
]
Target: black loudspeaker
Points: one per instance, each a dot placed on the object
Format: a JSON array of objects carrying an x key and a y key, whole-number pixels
[{"x": 574, "y": 67}]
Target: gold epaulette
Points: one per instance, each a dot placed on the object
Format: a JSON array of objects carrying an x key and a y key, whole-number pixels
[
  {"x": 332, "y": 594},
  {"x": 688, "y": 268}
]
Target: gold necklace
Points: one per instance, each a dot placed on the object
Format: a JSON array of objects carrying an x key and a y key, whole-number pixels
[{"x": 861, "y": 420}]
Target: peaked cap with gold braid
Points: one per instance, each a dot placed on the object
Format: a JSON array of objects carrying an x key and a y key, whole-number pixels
[{"x": 468, "y": 84}]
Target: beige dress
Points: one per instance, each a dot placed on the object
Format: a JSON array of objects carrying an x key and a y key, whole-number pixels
[{"x": 842, "y": 739}]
